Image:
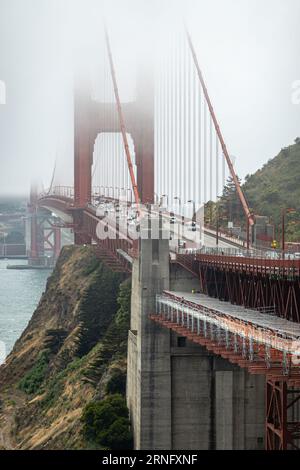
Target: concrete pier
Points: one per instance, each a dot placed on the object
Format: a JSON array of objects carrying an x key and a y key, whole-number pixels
[{"x": 180, "y": 396}]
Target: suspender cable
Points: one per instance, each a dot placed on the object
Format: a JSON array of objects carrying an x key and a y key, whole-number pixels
[
  {"x": 200, "y": 146},
  {"x": 205, "y": 151},
  {"x": 211, "y": 159},
  {"x": 217, "y": 168},
  {"x": 172, "y": 134},
  {"x": 121, "y": 121},
  {"x": 176, "y": 112},
  {"x": 194, "y": 126},
  {"x": 190, "y": 193},
  {"x": 239, "y": 190},
  {"x": 185, "y": 125}
]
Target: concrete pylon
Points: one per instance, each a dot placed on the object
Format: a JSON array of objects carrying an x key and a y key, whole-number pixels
[
  {"x": 149, "y": 367},
  {"x": 180, "y": 396}
]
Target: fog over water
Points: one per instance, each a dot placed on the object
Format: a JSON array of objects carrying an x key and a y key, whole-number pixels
[{"x": 249, "y": 51}]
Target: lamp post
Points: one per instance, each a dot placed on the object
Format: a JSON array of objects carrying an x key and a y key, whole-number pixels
[
  {"x": 130, "y": 192},
  {"x": 162, "y": 199},
  {"x": 177, "y": 198},
  {"x": 194, "y": 209},
  {"x": 217, "y": 226},
  {"x": 283, "y": 214}
]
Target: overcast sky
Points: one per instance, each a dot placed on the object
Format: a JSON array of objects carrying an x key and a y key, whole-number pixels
[{"x": 249, "y": 51}]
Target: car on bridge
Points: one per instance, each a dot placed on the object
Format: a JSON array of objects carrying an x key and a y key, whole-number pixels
[{"x": 272, "y": 255}]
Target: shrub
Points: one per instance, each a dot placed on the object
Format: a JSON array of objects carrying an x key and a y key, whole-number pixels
[
  {"x": 117, "y": 383},
  {"x": 33, "y": 380},
  {"x": 106, "y": 423}
]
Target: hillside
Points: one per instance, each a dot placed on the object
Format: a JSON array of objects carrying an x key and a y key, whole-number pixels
[
  {"x": 69, "y": 365},
  {"x": 274, "y": 187}
]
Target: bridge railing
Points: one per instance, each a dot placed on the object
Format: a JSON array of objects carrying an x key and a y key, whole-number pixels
[
  {"x": 60, "y": 191},
  {"x": 240, "y": 253}
]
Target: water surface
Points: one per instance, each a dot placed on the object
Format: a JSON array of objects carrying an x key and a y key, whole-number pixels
[{"x": 20, "y": 292}]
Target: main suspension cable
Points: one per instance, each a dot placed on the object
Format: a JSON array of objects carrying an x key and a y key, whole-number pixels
[
  {"x": 122, "y": 121},
  {"x": 239, "y": 190}
]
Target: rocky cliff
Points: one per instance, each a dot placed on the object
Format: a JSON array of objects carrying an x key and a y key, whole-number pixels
[{"x": 72, "y": 354}]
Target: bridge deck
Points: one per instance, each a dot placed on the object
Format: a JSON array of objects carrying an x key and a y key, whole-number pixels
[
  {"x": 260, "y": 342},
  {"x": 274, "y": 324}
]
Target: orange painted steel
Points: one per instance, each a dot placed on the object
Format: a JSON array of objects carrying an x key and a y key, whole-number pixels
[
  {"x": 122, "y": 123},
  {"x": 241, "y": 195},
  {"x": 251, "y": 264}
]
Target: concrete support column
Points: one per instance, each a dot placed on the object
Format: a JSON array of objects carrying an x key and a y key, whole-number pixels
[
  {"x": 239, "y": 405},
  {"x": 149, "y": 365}
]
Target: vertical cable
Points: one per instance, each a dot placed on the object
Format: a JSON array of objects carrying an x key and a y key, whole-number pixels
[
  {"x": 190, "y": 188},
  {"x": 194, "y": 125},
  {"x": 211, "y": 158},
  {"x": 156, "y": 132},
  {"x": 184, "y": 155},
  {"x": 171, "y": 128},
  {"x": 223, "y": 171},
  {"x": 205, "y": 152},
  {"x": 161, "y": 146},
  {"x": 218, "y": 161},
  {"x": 167, "y": 134},
  {"x": 176, "y": 112},
  {"x": 200, "y": 174}
]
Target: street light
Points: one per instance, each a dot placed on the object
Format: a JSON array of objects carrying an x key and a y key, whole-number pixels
[
  {"x": 162, "y": 199},
  {"x": 194, "y": 209},
  {"x": 177, "y": 198},
  {"x": 284, "y": 212},
  {"x": 217, "y": 225}
]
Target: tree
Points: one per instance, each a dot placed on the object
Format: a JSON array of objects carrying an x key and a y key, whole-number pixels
[
  {"x": 107, "y": 424},
  {"x": 230, "y": 208}
]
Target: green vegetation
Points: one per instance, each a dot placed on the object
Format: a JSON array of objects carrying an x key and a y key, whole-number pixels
[
  {"x": 72, "y": 360},
  {"x": 106, "y": 423},
  {"x": 98, "y": 305},
  {"x": 31, "y": 383},
  {"x": 115, "y": 340},
  {"x": 276, "y": 186},
  {"x": 113, "y": 346},
  {"x": 117, "y": 383}
]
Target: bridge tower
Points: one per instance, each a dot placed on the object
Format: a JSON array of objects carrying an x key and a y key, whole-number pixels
[{"x": 43, "y": 233}]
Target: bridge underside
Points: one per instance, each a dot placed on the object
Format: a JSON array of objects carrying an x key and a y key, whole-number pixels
[{"x": 253, "y": 341}]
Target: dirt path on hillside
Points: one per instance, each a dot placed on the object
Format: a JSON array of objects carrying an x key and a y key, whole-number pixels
[{"x": 6, "y": 423}]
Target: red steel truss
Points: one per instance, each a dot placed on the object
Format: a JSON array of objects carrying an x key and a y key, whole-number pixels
[
  {"x": 282, "y": 428},
  {"x": 253, "y": 347}
]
